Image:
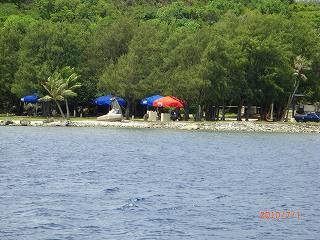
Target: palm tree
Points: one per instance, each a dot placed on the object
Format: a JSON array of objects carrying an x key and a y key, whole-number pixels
[
  {"x": 69, "y": 78},
  {"x": 300, "y": 64},
  {"x": 60, "y": 86},
  {"x": 54, "y": 88}
]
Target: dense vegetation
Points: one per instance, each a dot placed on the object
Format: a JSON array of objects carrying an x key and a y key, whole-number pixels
[{"x": 209, "y": 53}]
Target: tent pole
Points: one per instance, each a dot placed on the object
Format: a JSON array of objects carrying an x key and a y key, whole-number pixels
[{"x": 36, "y": 108}]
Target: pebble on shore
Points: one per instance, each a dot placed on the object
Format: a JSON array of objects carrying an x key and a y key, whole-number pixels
[{"x": 207, "y": 126}]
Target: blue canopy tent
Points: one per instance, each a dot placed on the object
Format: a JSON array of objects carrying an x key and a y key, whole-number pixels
[
  {"x": 149, "y": 100},
  {"x": 30, "y": 99},
  {"x": 106, "y": 100}
]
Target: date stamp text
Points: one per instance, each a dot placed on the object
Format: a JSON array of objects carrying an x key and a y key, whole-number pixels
[{"x": 280, "y": 215}]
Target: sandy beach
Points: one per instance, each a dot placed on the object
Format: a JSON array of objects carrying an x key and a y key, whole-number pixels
[{"x": 234, "y": 126}]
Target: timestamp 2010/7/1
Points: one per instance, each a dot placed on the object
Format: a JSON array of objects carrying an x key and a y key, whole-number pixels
[{"x": 280, "y": 215}]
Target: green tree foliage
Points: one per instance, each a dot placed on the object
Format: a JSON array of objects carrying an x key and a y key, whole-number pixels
[
  {"x": 60, "y": 86},
  {"x": 135, "y": 74},
  {"x": 271, "y": 6},
  {"x": 208, "y": 52},
  {"x": 45, "y": 48},
  {"x": 11, "y": 36},
  {"x": 183, "y": 65},
  {"x": 300, "y": 66},
  {"x": 76, "y": 11}
]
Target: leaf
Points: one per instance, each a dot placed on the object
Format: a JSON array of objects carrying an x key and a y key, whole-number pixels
[{"x": 46, "y": 98}]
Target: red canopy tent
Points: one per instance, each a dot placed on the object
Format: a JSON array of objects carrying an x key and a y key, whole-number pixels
[{"x": 169, "y": 102}]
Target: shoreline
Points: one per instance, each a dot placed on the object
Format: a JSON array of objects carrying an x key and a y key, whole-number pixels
[{"x": 227, "y": 126}]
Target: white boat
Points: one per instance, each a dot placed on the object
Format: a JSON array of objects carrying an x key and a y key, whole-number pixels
[{"x": 114, "y": 115}]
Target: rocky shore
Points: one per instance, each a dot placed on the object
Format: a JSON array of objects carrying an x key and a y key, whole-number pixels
[{"x": 232, "y": 126}]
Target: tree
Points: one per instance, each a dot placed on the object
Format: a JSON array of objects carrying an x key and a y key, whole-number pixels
[
  {"x": 209, "y": 53},
  {"x": 136, "y": 73},
  {"x": 224, "y": 63},
  {"x": 266, "y": 43},
  {"x": 270, "y": 6},
  {"x": 60, "y": 86},
  {"x": 45, "y": 48},
  {"x": 183, "y": 51},
  {"x": 69, "y": 77},
  {"x": 301, "y": 64},
  {"x": 108, "y": 42},
  {"x": 11, "y": 36}
]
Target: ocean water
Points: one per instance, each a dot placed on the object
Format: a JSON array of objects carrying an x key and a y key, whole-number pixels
[{"x": 99, "y": 183}]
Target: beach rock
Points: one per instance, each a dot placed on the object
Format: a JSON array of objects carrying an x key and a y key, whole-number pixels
[
  {"x": 52, "y": 124},
  {"x": 25, "y": 122},
  {"x": 224, "y": 126},
  {"x": 6, "y": 122},
  {"x": 65, "y": 123},
  {"x": 190, "y": 127},
  {"x": 49, "y": 120}
]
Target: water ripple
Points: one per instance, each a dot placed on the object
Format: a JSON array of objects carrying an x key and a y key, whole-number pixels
[{"x": 156, "y": 184}]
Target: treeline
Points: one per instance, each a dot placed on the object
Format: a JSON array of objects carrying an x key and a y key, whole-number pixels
[{"x": 209, "y": 53}]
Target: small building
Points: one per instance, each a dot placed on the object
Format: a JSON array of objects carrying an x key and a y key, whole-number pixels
[{"x": 307, "y": 108}]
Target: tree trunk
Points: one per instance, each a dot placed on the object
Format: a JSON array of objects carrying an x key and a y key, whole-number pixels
[
  {"x": 263, "y": 113},
  {"x": 207, "y": 113},
  {"x": 293, "y": 107},
  {"x": 223, "y": 117},
  {"x": 45, "y": 109},
  {"x": 198, "y": 113},
  {"x": 217, "y": 113},
  {"x": 247, "y": 112},
  {"x": 202, "y": 113},
  {"x": 213, "y": 113},
  {"x": 133, "y": 109},
  {"x": 59, "y": 107},
  {"x": 178, "y": 113},
  {"x": 239, "y": 109},
  {"x": 186, "y": 112},
  {"x": 271, "y": 112},
  {"x": 279, "y": 114},
  {"x": 36, "y": 111},
  {"x": 210, "y": 113},
  {"x": 127, "y": 113},
  {"x": 286, "y": 110},
  {"x": 67, "y": 107},
  {"x": 20, "y": 109}
]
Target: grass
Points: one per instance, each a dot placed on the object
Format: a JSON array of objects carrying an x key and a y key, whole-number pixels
[
  {"x": 13, "y": 117},
  {"x": 231, "y": 115},
  {"x": 39, "y": 118},
  {"x": 32, "y": 118}
]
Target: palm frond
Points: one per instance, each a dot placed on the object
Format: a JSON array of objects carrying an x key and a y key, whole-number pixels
[
  {"x": 46, "y": 98},
  {"x": 61, "y": 85},
  {"x": 69, "y": 93}
]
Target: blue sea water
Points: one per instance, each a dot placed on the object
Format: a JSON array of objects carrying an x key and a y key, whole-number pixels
[{"x": 99, "y": 183}]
